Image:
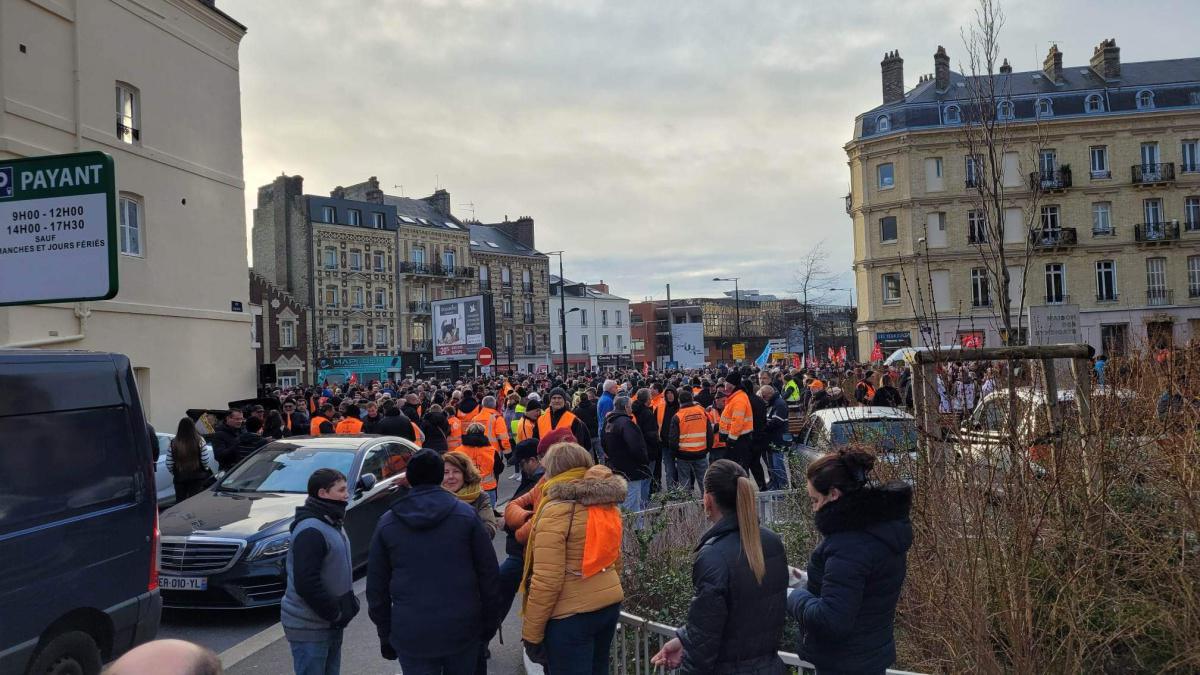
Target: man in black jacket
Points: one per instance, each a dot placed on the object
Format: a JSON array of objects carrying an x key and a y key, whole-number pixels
[
  {"x": 777, "y": 436},
  {"x": 251, "y": 439},
  {"x": 647, "y": 423},
  {"x": 395, "y": 423},
  {"x": 224, "y": 439},
  {"x": 625, "y": 447},
  {"x": 295, "y": 422},
  {"x": 759, "y": 437},
  {"x": 586, "y": 411},
  {"x": 432, "y": 577}
]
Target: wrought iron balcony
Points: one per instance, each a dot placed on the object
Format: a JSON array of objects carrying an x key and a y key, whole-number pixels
[
  {"x": 530, "y": 350},
  {"x": 421, "y": 345},
  {"x": 1107, "y": 297},
  {"x": 125, "y": 132},
  {"x": 1100, "y": 174},
  {"x": 1054, "y": 238},
  {"x": 1058, "y": 299},
  {"x": 1153, "y": 174},
  {"x": 527, "y": 288},
  {"x": 1156, "y": 233},
  {"x": 528, "y": 318},
  {"x": 1158, "y": 297},
  {"x": 436, "y": 270},
  {"x": 1050, "y": 181},
  {"x": 420, "y": 307}
]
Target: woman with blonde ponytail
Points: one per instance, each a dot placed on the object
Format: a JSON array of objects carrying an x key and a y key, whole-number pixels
[{"x": 740, "y": 577}]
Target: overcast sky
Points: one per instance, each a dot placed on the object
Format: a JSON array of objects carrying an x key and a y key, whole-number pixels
[{"x": 656, "y": 141}]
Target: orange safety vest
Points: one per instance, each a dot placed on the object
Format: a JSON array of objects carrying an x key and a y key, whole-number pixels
[
  {"x": 349, "y": 425},
  {"x": 545, "y": 427},
  {"x": 870, "y": 391},
  {"x": 526, "y": 428},
  {"x": 659, "y": 405},
  {"x": 418, "y": 434},
  {"x": 485, "y": 460},
  {"x": 314, "y": 426},
  {"x": 714, "y": 416},
  {"x": 496, "y": 432},
  {"x": 454, "y": 440},
  {"x": 737, "y": 419},
  {"x": 693, "y": 430}
]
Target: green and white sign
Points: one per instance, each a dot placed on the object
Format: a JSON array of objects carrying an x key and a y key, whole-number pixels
[{"x": 58, "y": 229}]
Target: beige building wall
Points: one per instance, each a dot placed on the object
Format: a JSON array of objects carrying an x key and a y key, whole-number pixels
[
  {"x": 340, "y": 317},
  {"x": 172, "y": 314},
  {"x": 528, "y": 335},
  {"x": 935, "y": 274},
  {"x": 421, "y": 286}
]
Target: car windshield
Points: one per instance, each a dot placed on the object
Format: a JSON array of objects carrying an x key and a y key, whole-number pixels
[
  {"x": 284, "y": 469},
  {"x": 887, "y": 435}
]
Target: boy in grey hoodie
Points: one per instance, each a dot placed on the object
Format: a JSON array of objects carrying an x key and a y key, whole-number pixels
[{"x": 319, "y": 602}]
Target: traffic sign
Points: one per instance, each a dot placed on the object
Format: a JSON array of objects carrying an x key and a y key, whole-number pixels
[
  {"x": 739, "y": 351},
  {"x": 58, "y": 229},
  {"x": 484, "y": 357}
]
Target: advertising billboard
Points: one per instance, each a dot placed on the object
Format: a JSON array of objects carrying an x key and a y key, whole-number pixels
[
  {"x": 460, "y": 327},
  {"x": 688, "y": 341}
]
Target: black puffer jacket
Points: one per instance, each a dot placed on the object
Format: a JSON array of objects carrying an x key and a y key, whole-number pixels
[
  {"x": 436, "y": 428},
  {"x": 647, "y": 423},
  {"x": 396, "y": 424},
  {"x": 734, "y": 624},
  {"x": 855, "y": 574}
]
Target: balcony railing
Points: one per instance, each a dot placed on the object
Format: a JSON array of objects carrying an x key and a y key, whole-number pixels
[
  {"x": 1054, "y": 238},
  {"x": 356, "y": 345},
  {"x": 1157, "y": 297},
  {"x": 972, "y": 182},
  {"x": 1189, "y": 168},
  {"x": 1149, "y": 233},
  {"x": 1151, "y": 174},
  {"x": 1104, "y": 232},
  {"x": 981, "y": 302},
  {"x": 436, "y": 270},
  {"x": 1194, "y": 290},
  {"x": 527, "y": 318},
  {"x": 530, "y": 351},
  {"x": 1191, "y": 225},
  {"x": 506, "y": 285},
  {"x": 1059, "y": 299},
  {"x": 507, "y": 315},
  {"x": 421, "y": 345},
  {"x": 1107, "y": 297},
  {"x": 124, "y": 132},
  {"x": 526, "y": 288},
  {"x": 1058, "y": 179},
  {"x": 420, "y": 307},
  {"x": 1100, "y": 173}
]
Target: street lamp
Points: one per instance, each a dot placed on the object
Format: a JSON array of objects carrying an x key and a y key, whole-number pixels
[
  {"x": 737, "y": 304},
  {"x": 562, "y": 303}
]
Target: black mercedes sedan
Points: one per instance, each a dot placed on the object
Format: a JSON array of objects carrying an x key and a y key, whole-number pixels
[{"x": 227, "y": 546}]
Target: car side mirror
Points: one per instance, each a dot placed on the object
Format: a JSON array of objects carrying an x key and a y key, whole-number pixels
[{"x": 366, "y": 482}]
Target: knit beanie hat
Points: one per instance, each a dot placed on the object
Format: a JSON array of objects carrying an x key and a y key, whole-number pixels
[
  {"x": 425, "y": 468},
  {"x": 735, "y": 378},
  {"x": 559, "y": 391},
  {"x": 553, "y": 438}
]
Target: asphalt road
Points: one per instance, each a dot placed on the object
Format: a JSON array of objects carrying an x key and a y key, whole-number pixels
[{"x": 252, "y": 642}]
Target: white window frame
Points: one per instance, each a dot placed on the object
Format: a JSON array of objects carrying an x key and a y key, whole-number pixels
[
  {"x": 1189, "y": 152},
  {"x": 604, "y": 317},
  {"x": 952, "y": 114},
  {"x": 358, "y": 336},
  {"x": 356, "y": 259},
  {"x": 132, "y": 237},
  {"x": 378, "y": 262},
  {"x": 1005, "y": 110},
  {"x": 287, "y": 334},
  {"x": 583, "y": 341},
  {"x": 417, "y": 255},
  {"x": 879, "y": 176},
  {"x": 328, "y": 214},
  {"x": 1099, "y": 169},
  {"x": 334, "y": 291},
  {"x": 972, "y": 170},
  {"x": 288, "y": 378},
  {"x": 1094, "y": 103},
  {"x": 1051, "y": 219},
  {"x": 1056, "y": 275},
  {"x": 890, "y": 299},
  {"x": 976, "y": 227},
  {"x": 449, "y": 258},
  {"x": 1145, "y": 100},
  {"x": 1193, "y": 269},
  {"x": 1106, "y": 290},
  {"x": 981, "y": 295},
  {"x": 1044, "y": 107},
  {"x": 326, "y": 253},
  {"x": 333, "y": 335},
  {"x": 882, "y": 237},
  {"x": 381, "y": 332},
  {"x": 377, "y": 220},
  {"x": 1102, "y": 211},
  {"x": 483, "y": 275},
  {"x": 354, "y": 216},
  {"x": 1191, "y": 213},
  {"x": 621, "y": 341},
  {"x": 1156, "y": 275},
  {"x": 380, "y": 298},
  {"x": 604, "y": 343},
  {"x": 506, "y": 275},
  {"x": 359, "y": 297},
  {"x": 618, "y": 317},
  {"x": 129, "y": 114},
  {"x": 883, "y": 124}
]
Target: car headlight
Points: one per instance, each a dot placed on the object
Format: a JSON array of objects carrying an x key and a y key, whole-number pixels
[{"x": 270, "y": 548}]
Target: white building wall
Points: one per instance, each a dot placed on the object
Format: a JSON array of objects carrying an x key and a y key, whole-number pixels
[
  {"x": 595, "y": 330},
  {"x": 172, "y": 315}
]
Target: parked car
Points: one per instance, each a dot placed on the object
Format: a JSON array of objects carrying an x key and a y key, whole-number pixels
[
  {"x": 164, "y": 481},
  {"x": 226, "y": 547},
  {"x": 892, "y": 432},
  {"x": 78, "y": 514}
]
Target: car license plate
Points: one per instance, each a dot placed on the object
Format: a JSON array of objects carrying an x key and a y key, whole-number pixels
[{"x": 183, "y": 583}]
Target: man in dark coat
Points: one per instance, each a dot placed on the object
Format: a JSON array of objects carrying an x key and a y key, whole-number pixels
[
  {"x": 777, "y": 436},
  {"x": 251, "y": 439},
  {"x": 224, "y": 439},
  {"x": 294, "y": 420},
  {"x": 586, "y": 412},
  {"x": 432, "y": 576},
  {"x": 759, "y": 437},
  {"x": 625, "y": 447},
  {"x": 647, "y": 424},
  {"x": 395, "y": 423},
  {"x": 848, "y": 609}
]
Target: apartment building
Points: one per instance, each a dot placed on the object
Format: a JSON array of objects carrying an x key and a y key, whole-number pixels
[
  {"x": 279, "y": 332},
  {"x": 1103, "y": 160},
  {"x": 517, "y": 277},
  {"x": 750, "y": 318},
  {"x": 339, "y": 256},
  {"x": 597, "y": 325},
  {"x": 155, "y": 84}
]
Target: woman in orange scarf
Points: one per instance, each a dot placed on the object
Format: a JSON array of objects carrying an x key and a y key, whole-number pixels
[{"x": 572, "y": 583}]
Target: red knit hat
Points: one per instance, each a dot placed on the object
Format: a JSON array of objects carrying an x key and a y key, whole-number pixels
[{"x": 553, "y": 438}]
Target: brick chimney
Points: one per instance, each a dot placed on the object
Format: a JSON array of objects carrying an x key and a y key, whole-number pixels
[
  {"x": 892, "y": 67},
  {"x": 1052, "y": 66},
  {"x": 1106, "y": 60},
  {"x": 373, "y": 194},
  {"x": 941, "y": 70},
  {"x": 1005, "y": 68},
  {"x": 440, "y": 201},
  {"x": 602, "y": 287},
  {"x": 338, "y": 192}
]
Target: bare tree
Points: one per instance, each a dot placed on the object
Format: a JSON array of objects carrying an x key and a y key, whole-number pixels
[{"x": 813, "y": 283}]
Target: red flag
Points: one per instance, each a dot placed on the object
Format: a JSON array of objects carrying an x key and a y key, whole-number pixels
[
  {"x": 842, "y": 356},
  {"x": 832, "y": 355},
  {"x": 645, "y": 367},
  {"x": 877, "y": 353},
  {"x": 796, "y": 362},
  {"x": 353, "y": 378}
]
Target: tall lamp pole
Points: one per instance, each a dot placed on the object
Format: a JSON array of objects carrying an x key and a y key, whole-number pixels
[
  {"x": 562, "y": 312},
  {"x": 737, "y": 305}
]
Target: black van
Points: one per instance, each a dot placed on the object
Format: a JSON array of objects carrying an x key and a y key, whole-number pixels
[{"x": 78, "y": 513}]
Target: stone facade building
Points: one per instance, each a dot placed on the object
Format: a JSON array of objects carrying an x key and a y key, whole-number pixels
[
  {"x": 171, "y": 66},
  {"x": 279, "y": 332},
  {"x": 517, "y": 277},
  {"x": 1109, "y": 153},
  {"x": 597, "y": 326}
]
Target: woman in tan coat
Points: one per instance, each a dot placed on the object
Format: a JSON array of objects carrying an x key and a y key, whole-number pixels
[
  {"x": 572, "y": 582},
  {"x": 462, "y": 478}
]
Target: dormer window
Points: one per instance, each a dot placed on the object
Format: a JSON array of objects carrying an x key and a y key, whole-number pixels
[
  {"x": 1004, "y": 110},
  {"x": 952, "y": 115},
  {"x": 1094, "y": 104},
  {"x": 883, "y": 124},
  {"x": 1045, "y": 108},
  {"x": 1145, "y": 100}
]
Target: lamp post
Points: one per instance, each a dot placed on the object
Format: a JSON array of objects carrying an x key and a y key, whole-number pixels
[
  {"x": 737, "y": 305},
  {"x": 562, "y": 312}
]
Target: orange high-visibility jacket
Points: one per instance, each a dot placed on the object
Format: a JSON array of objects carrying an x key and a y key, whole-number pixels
[
  {"x": 714, "y": 416},
  {"x": 497, "y": 431},
  {"x": 484, "y": 459},
  {"x": 693, "y": 431},
  {"x": 737, "y": 419},
  {"x": 454, "y": 440},
  {"x": 350, "y": 425},
  {"x": 314, "y": 426},
  {"x": 526, "y": 428},
  {"x": 545, "y": 427}
]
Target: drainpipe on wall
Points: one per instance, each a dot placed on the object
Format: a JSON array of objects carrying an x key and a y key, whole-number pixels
[{"x": 82, "y": 312}]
